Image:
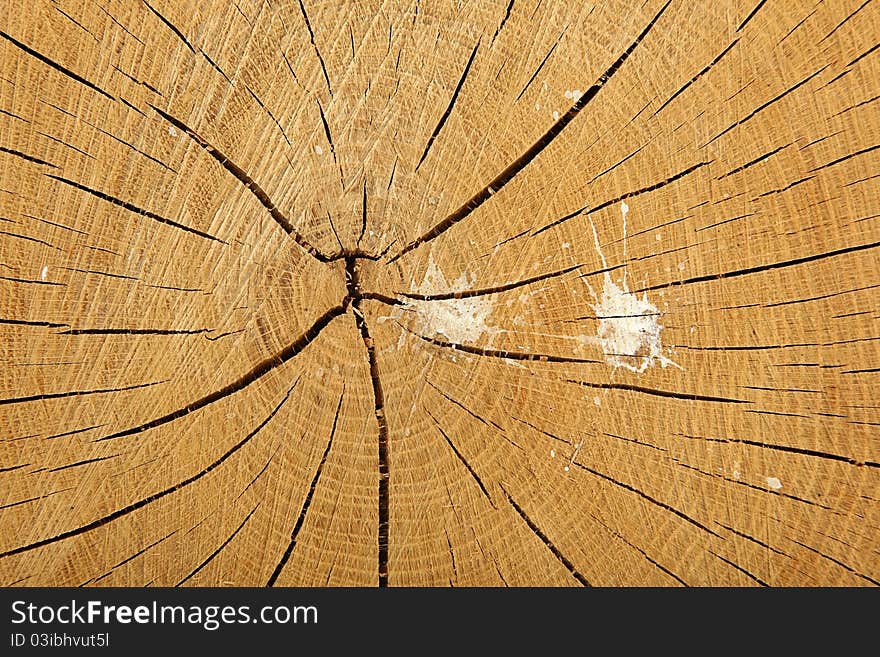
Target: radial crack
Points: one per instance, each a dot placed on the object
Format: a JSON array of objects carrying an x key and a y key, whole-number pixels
[
  {"x": 257, "y": 372},
  {"x": 354, "y": 294},
  {"x": 249, "y": 184},
  {"x": 521, "y": 162}
]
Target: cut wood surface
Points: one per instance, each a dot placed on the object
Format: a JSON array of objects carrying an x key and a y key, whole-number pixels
[{"x": 410, "y": 293}]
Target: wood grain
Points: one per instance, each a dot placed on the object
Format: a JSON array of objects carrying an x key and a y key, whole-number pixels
[{"x": 300, "y": 293}]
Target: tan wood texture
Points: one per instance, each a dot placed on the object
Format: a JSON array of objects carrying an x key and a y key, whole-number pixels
[{"x": 509, "y": 292}]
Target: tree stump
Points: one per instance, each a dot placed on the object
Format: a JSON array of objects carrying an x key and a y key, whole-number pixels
[{"x": 439, "y": 293}]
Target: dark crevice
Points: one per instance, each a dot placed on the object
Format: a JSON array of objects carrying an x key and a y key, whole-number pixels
[
  {"x": 451, "y": 400},
  {"x": 841, "y": 23},
  {"x": 644, "y": 190},
  {"x": 171, "y": 27},
  {"x": 658, "y": 392},
  {"x": 259, "y": 474},
  {"x": 856, "y": 106},
  {"x": 13, "y": 279},
  {"x": 779, "y": 190},
  {"x": 132, "y": 331},
  {"x": 125, "y": 102},
  {"x": 521, "y": 162},
  {"x": 220, "y": 70},
  {"x": 256, "y": 373},
  {"x": 697, "y": 76},
  {"x": 76, "y": 393},
  {"x": 838, "y": 562},
  {"x": 503, "y": 21},
  {"x": 497, "y": 353},
  {"x": 846, "y": 157},
  {"x": 147, "y": 85},
  {"x": 308, "y": 500},
  {"x": 220, "y": 548},
  {"x": 133, "y": 208},
  {"x": 792, "y": 450},
  {"x": 724, "y": 221},
  {"x": 753, "y": 540},
  {"x": 121, "y": 26},
  {"x": 156, "y": 496},
  {"x": 29, "y": 158},
  {"x": 538, "y": 70},
  {"x": 14, "y": 116},
  {"x": 762, "y": 489},
  {"x": 382, "y": 298},
  {"x": 752, "y": 162},
  {"x": 465, "y": 294},
  {"x": 646, "y": 497},
  {"x": 73, "y": 431},
  {"x": 31, "y": 499},
  {"x": 249, "y": 184},
  {"x": 761, "y": 268},
  {"x": 354, "y": 294},
  {"x": 101, "y": 273},
  {"x": 740, "y": 569},
  {"x": 819, "y": 297},
  {"x": 364, "y": 211},
  {"x": 452, "y": 557},
  {"x": 797, "y": 25},
  {"x": 616, "y": 164},
  {"x": 28, "y": 238},
  {"x": 462, "y": 459},
  {"x": 133, "y": 556},
  {"x": 56, "y": 66},
  {"x": 765, "y": 105},
  {"x": 655, "y": 563},
  {"x": 315, "y": 46},
  {"x": 131, "y": 146},
  {"x": 448, "y": 111},
  {"x": 544, "y": 539},
  {"x": 751, "y": 15},
  {"x": 77, "y": 464},
  {"x": 327, "y": 134}
]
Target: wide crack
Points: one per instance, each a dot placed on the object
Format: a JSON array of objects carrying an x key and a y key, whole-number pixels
[{"x": 353, "y": 299}]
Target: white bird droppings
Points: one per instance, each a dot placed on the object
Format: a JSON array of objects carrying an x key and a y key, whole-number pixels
[
  {"x": 629, "y": 330},
  {"x": 460, "y": 321},
  {"x": 319, "y": 150},
  {"x": 552, "y": 453},
  {"x": 44, "y": 272},
  {"x": 172, "y": 131},
  {"x": 774, "y": 483}
]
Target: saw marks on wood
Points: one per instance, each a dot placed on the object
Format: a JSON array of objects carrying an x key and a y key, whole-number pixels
[{"x": 408, "y": 293}]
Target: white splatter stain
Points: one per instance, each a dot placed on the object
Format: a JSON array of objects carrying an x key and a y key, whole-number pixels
[
  {"x": 774, "y": 483},
  {"x": 629, "y": 330},
  {"x": 459, "y": 321},
  {"x": 172, "y": 131},
  {"x": 319, "y": 150},
  {"x": 44, "y": 272}
]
